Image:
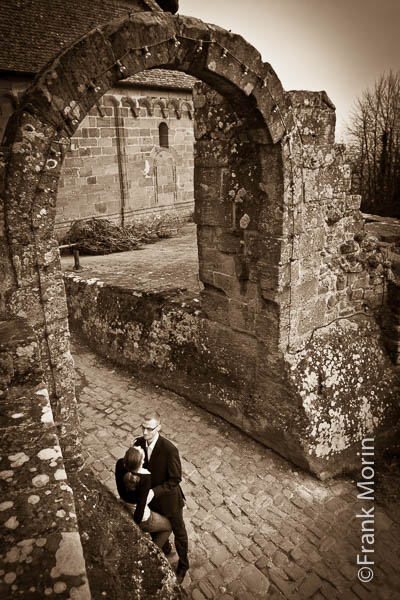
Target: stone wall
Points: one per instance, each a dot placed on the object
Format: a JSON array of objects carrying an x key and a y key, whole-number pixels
[
  {"x": 41, "y": 553},
  {"x": 336, "y": 268},
  {"x": 342, "y": 381},
  {"x": 116, "y": 168},
  {"x": 286, "y": 342},
  {"x": 313, "y": 280},
  {"x": 40, "y": 291},
  {"x": 42, "y": 518},
  {"x": 338, "y": 276}
]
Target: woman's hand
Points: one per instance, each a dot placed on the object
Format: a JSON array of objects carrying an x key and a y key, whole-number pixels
[{"x": 150, "y": 496}]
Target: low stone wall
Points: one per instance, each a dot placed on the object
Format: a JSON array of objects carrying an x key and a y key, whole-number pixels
[
  {"x": 340, "y": 387},
  {"x": 41, "y": 553}
]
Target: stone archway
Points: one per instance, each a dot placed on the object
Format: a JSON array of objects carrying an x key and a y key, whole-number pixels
[
  {"x": 49, "y": 114},
  {"x": 276, "y": 236}
]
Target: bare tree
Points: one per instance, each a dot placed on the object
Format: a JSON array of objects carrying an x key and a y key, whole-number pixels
[{"x": 374, "y": 135}]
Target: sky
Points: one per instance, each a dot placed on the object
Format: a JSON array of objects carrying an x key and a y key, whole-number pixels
[{"x": 340, "y": 46}]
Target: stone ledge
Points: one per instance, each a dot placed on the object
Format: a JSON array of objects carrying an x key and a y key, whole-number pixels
[{"x": 41, "y": 553}]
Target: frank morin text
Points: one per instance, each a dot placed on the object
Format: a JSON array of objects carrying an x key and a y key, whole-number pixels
[{"x": 366, "y": 514}]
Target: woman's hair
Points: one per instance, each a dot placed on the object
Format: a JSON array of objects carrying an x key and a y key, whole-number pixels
[
  {"x": 133, "y": 459},
  {"x": 131, "y": 481}
]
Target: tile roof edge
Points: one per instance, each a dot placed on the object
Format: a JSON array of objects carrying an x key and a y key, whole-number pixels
[
  {"x": 153, "y": 86},
  {"x": 9, "y": 72},
  {"x": 130, "y": 84}
]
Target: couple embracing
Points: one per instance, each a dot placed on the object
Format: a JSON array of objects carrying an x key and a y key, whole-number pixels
[{"x": 149, "y": 476}]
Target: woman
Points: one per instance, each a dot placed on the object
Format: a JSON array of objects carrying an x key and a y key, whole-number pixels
[{"x": 134, "y": 486}]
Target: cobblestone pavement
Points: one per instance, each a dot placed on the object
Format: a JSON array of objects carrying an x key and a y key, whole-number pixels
[{"x": 258, "y": 527}]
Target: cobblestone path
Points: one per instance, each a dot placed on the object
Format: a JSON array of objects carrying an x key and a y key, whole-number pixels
[{"x": 258, "y": 527}]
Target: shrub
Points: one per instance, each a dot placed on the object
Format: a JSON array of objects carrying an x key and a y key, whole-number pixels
[{"x": 102, "y": 236}]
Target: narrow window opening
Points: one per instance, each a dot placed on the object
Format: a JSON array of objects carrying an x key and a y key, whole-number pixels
[{"x": 163, "y": 134}]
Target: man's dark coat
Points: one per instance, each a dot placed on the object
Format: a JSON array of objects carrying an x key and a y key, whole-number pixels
[{"x": 166, "y": 475}]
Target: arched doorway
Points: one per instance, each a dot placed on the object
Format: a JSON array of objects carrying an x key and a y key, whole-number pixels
[{"x": 240, "y": 195}]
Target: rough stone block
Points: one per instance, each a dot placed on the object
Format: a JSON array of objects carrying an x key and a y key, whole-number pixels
[
  {"x": 312, "y": 216},
  {"x": 273, "y": 249},
  {"x": 312, "y": 316},
  {"x": 215, "y": 305},
  {"x": 217, "y": 261},
  {"x": 315, "y": 114},
  {"x": 313, "y": 191},
  {"x": 227, "y": 283},
  {"x": 268, "y": 275},
  {"x": 268, "y": 104},
  {"x": 241, "y": 317},
  {"x": 209, "y": 153},
  {"x": 353, "y": 202},
  {"x": 267, "y": 323},
  {"x": 311, "y": 241},
  {"x": 19, "y": 353},
  {"x": 228, "y": 243},
  {"x": 305, "y": 292},
  {"x": 206, "y": 275},
  {"x": 205, "y": 236},
  {"x": 241, "y": 268},
  {"x": 211, "y": 208}
]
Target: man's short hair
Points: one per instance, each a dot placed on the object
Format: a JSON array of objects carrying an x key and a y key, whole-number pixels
[{"x": 152, "y": 415}]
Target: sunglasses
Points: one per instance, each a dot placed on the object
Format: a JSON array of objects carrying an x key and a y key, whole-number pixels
[{"x": 148, "y": 428}]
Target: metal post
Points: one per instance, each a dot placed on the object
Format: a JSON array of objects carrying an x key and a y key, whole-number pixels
[{"x": 77, "y": 266}]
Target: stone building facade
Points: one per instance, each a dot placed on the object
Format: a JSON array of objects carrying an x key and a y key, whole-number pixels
[
  {"x": 132, "y": 155},
  {"x": 118, "y": 165}
]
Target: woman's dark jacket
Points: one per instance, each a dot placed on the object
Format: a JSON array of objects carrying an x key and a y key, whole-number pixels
[{"x": 138, "y": 496}]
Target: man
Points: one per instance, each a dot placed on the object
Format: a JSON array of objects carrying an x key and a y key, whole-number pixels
[{"x": 163, "y": 462}]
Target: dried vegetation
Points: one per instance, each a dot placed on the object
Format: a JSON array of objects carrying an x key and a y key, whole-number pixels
[{"x": 102, "y": 236}]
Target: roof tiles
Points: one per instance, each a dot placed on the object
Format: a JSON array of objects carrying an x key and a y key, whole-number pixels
[{"x": 33, "y": 31}]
